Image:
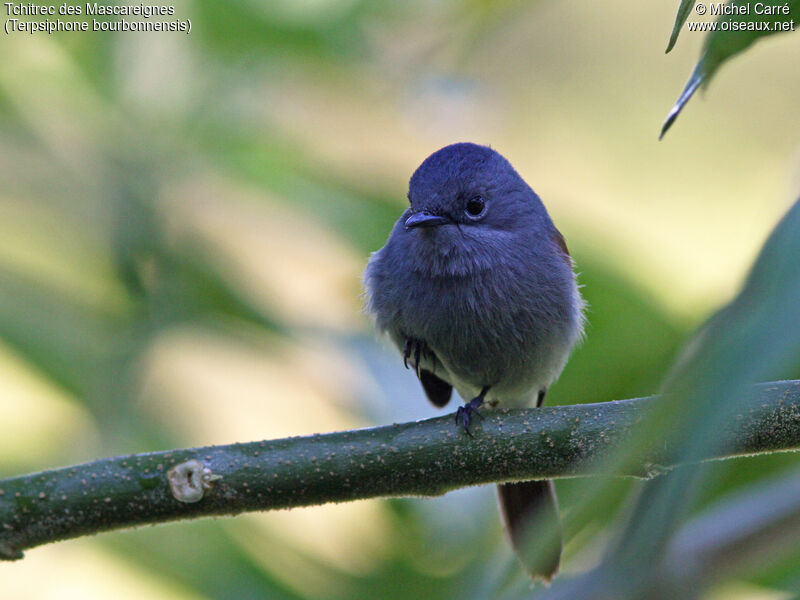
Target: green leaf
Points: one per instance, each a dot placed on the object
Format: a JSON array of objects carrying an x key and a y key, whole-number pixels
[
  {"x": 756, "y": 335},
  {"x": 749, "y": 340},
  {"x": 754, "y": 525},
  {"x": 684, "y": 10},
  {"x": 733, "y": 33}
]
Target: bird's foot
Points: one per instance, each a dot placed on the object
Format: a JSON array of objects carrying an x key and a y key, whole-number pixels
[
  {"x": 465, "y": 413},
  {"x": 417, "y": 349}
]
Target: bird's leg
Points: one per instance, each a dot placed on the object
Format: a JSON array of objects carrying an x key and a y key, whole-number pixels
[{"x": 464, "y": 413}]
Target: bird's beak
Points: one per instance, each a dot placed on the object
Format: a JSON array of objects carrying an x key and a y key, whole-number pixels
[{"x": 425, "y": 218}]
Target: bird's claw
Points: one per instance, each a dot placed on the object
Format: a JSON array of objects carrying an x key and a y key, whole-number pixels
[
  {"x": 465, "y": 413},
  {"x": 416, "y": 347}
]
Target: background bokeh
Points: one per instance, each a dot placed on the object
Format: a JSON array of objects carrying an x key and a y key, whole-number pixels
[{"x": 184, "y": 220}]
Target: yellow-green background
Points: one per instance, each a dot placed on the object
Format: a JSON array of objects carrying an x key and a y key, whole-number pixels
[{"x": 184, "y": 220}]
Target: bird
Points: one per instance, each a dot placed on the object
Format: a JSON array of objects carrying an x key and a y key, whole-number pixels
[{"x": 476, "y": 288}]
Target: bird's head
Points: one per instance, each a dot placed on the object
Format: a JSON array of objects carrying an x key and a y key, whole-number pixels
[
  {"x": 467, "y": 203},
  {"x": 471, "y": 186}
]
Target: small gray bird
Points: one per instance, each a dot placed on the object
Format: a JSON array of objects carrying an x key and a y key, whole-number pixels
[{"x": 476, "y": 288}]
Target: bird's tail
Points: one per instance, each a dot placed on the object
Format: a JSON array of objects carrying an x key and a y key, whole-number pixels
[{"x": 529, "y": 510}]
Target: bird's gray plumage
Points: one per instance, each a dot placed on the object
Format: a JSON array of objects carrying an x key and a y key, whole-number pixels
[
  {"x": 475, "y": 286},
  {"x": 494, "y": 299}
]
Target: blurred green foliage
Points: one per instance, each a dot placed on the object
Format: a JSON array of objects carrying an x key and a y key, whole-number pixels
[
  {"x": 182, "y": 224},
  {"x": 740, "y": 24}
]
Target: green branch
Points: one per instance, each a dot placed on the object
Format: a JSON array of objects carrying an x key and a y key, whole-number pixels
[{"x": 424, "y": 458}]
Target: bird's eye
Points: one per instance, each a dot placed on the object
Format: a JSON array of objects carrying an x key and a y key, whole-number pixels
[{"x": 476, "y": 207}]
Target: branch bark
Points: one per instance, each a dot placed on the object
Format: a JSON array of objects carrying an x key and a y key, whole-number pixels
[{"x": 424, "y": 458}]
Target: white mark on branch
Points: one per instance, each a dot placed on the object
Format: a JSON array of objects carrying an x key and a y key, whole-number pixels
[{"x": 189, "y": 480}]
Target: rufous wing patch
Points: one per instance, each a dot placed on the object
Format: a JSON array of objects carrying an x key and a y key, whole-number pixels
[{"x": 562, "y": 244}]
